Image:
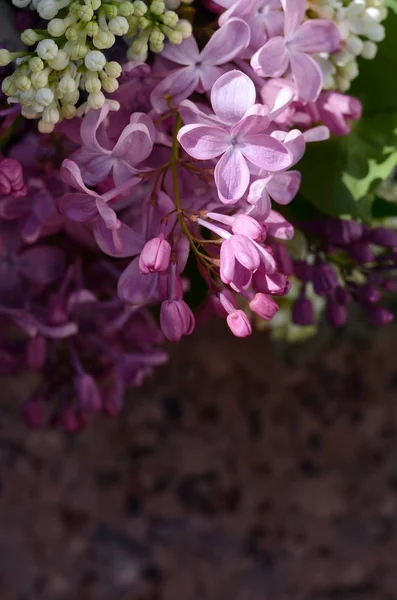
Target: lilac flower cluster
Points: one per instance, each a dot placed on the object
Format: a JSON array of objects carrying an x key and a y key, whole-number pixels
[
  {"x": 349, "y": 262},
  {"x": 193, "y": 158}
]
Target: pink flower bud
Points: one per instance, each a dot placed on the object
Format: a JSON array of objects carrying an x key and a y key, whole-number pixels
[
  {"x": 245, "y": 225},
  {"x": 239, "y": 324},
  {"x": 302, "y": 311},
  {"x": 11, "y": 178},
  {"x": 155, "y": 256},
  {"x": 36, "y": 352},
  {"x": 264, "y": 306},
  {"x": 87, "y": 393},
  {"x": 176, "y": 319}
]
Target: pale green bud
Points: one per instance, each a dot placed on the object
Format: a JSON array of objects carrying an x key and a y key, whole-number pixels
[
  {"x": 8, "y": 86},
  {"x": 60, "y": 62},
  {"x": 185, "y": 28},
  {"x": 5, "y": 57},
  {"x": 47, "y": 9},
  {"x": 39, "y": 79},
  {"x": 30, "y": 37},
  {"x": 143, "y": 23},
  {"x": 157, "y": 7},
  {"x": 111, "y": 11},
  {"x": 67, "y": 85},
  {"x": 118, "y": 25},
  {"x": 68, "y": 111},
  {"x": 45, "y": 127},
  {"x": 139, "y": 46},
  {"x": 23, "y": 83},
  {"x": 85, "y": 13},
  {"x": 73, "y": 33},
  {"x": 51, "y": 114},
  {"x": 110, "y": 84},
  {"x": 36, "y": 64},
  {"x": 140, "y": 8},
  {"x": 47, "y": 49},
  {"x": 175, "y": 37},
  {"x": 104, "y": 39},
  {"x": 126, "y": 9},
  {"x": 44, "y": 97},
  {"x": 92, "y": 83},
  {"x": 57, "y": 27},
  {"x": 96, "y": 100},
  {"x": 72, "y": 98},
  {"x": 92, "y": 29},
  {"x": 76, "y": 50},
  {"x": 95, "y": 60},
  {"x": 170, "y": 18},
  {"x": 113, "y": 69}
]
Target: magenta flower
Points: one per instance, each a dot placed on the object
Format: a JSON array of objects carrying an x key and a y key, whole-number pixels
[
  {"x": 99, "y": 156},
  {"x": 176, "y": 319},
  {"x": 112, "y": 235},
  {"x": 200, "y": 70},
  {"x": 238, "y": 138},
  {"x": 294, "y": 49}
]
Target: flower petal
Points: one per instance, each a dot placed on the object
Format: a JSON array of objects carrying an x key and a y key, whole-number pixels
[
  {"x": 90, "y": 129},
  {"x": 178, "y": 85},
  {"x": 41, "y": 264},
  {"x": 78, "y": 207},
  {"x": 232, "y": 95},
  {"x": 134, "y": 144},
  {"x": 283, "y": 187},
  {"x": 307, "y": 75},
  {"x": 135, "y": 288},
  {"x": 232, "y": 176},
  {"x": 71, "y": 174},
  {"x": 317, "y": 35},
  {"x": 294, "y": 11},
  {"x": 226, "y": 43},
  {"x": 130, "y": 243},
  {"x": 266, "y": 152},
  {"x": 272, "y": 59},
  {"x": 186, "y": 53},
  {"x": 203, "y": 141}
]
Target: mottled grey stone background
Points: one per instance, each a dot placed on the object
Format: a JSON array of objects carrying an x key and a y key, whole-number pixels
[{"x": 238, "y": 472}]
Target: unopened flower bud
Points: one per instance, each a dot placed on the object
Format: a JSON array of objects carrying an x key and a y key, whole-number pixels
[
  {"x": 118, "y": 26},
  {"x": 379, "y": 316},
  {"x": 8, "y": 86},
  {"x": 45, "y": 127},
  {"x": 68, "y": 111},
  {"x": 246, "y": 225},
  {"x": 170, "y": 18},
  {"x": 57, "y": 27},
  {"x": 30, "y": 37},
  {"x": 175, "y": 37},
  {"x": 140, "y": 8},
  {"x": 96, "y": 100},
  {"x": 324, "y": 278},
  {"x": 44, "y": 96},
  {"x": 185, "y": 28},
  {"x": 264, "y": 306},
  {"x": 113, "y": 69},
  {"x": 23, "y": 83},
  {"x": 95, "y": 60},
  {"x": 369, "y": 50},
  {"x": 155, "y": 256},
  {"x": 109, "y": 84},
  {"x": 93, "y": 84},
  {"x": 51, "y": 114},
  {"x": 176, "y": 319},
  {"x": 87, "y": 392},
  {"x": 302, "y": 311},
  {"x": 126, "y": 9},
  {"x": 36, "y": 64},
  {"x": 11, "y": 178},
  {"x": 5, "y": 57},
  {"x": 60, "y": 62},
  {"x": 67, "y": 85},
  {"x": 103, "y": 40},
  {"x": 85, "y": 13},
  {"x": 92, "y": 29},
  {"x": 47, "y": 49},
  {"x": 47, "y": 9},
  {"x": 239, "y": 324},
  {"x": 336, "y": 313},
  {"x": 39, "y": 79}
]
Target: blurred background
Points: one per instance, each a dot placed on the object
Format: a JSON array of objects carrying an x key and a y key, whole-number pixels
[{"x": 242, "y": 470}]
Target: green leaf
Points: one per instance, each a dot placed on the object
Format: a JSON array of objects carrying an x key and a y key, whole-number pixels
[{"x": 339, "y": 176}]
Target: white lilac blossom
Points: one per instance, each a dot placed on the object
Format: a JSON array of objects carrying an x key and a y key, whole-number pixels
[{"x": 360, "y": 27}]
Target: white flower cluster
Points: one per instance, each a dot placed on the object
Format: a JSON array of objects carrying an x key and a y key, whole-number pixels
[
  {"x": 67, "y": 57},
  {"x": 361, "y": 29}
]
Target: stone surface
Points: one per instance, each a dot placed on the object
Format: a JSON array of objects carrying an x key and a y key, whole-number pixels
[{"x": 238, "y": 472}]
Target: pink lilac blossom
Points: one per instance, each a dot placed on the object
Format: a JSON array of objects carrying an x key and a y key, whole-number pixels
[{"x": 192, "y": 162}]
